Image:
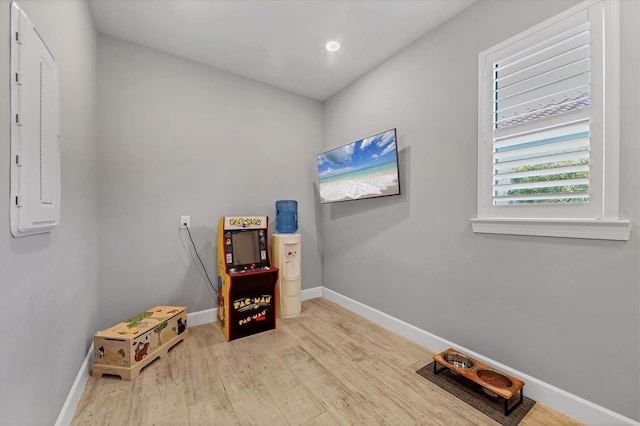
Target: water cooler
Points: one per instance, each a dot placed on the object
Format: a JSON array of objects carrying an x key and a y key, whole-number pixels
[{"x": 285, "y": 250}]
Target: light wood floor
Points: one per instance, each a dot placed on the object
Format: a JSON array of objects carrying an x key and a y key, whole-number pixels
[{"x": 329, "y": 366}]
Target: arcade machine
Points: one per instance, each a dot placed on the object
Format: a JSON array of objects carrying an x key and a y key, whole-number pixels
[{"x": 246, "y": 279}]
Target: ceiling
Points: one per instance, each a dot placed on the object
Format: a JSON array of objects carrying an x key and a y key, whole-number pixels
[{"x": 279, "y": 42}]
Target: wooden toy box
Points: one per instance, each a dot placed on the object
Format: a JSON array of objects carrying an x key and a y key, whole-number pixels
[{"x": 124, "y": 349}]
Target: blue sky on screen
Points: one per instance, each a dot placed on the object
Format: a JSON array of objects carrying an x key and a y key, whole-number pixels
[{"x": 369, "y": 152}]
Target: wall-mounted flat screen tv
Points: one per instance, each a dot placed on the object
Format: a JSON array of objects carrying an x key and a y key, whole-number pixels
[{"x": 367, "y": 168}]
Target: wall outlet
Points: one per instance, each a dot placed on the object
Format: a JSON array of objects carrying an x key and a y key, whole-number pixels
[{"x": 185, "y": 221}]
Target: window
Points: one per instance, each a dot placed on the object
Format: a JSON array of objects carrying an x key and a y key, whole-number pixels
[{"x": 548, "y": 129}]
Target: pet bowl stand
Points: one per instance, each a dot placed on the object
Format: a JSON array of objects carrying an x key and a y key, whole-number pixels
[{"x": 471, "y": 373}]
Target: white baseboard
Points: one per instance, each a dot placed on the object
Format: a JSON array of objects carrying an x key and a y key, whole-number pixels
[
  {"x": 73, "y": 398},
  {"x": 549, "y": 395},
  {"x": 311, "y": 293},
  {"x": 202, "y": 317}
]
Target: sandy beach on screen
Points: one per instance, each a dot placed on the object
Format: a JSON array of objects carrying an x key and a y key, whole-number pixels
[{"x": 354, "y": 188}]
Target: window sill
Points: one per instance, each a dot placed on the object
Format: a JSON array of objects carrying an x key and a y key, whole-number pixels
[{"x": 619, "y": 230}]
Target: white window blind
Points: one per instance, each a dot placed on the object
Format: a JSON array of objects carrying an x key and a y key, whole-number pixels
[
  {"x": 541, "y": 121},
  {"x": 548, "y": 120}
]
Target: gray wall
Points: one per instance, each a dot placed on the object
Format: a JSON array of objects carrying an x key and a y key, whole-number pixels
[
  {"x": 48, "y": 283},
  {"x": 177, "y": 138},
  {"x": 556, "y": 309}
]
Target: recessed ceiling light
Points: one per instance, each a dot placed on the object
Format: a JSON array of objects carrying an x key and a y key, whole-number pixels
[{"x": 332, "y": 46}]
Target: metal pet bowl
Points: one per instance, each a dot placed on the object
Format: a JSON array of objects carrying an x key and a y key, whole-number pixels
[
  {"x": 459, "y": 361},
  {"x": 495, "y": 379}
]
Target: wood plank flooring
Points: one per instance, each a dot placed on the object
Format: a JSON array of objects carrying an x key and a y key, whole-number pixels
[{"x": 328, "y": 366}]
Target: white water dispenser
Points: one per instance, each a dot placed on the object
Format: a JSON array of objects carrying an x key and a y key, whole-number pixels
[{"x": 286, "y": 252}]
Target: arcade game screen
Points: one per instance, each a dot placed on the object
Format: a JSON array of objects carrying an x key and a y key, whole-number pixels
[{"x": 246, "y": 250}]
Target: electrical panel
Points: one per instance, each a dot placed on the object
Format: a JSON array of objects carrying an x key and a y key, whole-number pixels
[{"x": 35, "y": 130}]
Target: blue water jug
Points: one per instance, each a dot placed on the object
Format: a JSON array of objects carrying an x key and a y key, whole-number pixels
[{"x": 286, "y": 216}]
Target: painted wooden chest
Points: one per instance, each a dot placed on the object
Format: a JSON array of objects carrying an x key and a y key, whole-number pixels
[{"x": 124, "y": 349}]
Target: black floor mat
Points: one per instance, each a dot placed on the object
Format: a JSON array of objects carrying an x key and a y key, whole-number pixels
[{"x": 472, "y": 393}]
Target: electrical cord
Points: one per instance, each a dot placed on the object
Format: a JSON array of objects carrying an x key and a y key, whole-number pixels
[{"x": 196, "y": 250}]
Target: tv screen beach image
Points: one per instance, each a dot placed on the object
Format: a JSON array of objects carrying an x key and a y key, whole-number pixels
[{"x": 363, "y": 169}]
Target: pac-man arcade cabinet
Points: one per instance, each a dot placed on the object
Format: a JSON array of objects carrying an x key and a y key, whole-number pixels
[{"x": 246, "y": 279}]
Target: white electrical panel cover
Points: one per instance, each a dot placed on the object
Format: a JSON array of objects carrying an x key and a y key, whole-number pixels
[{"x": 35, "y": 131}]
